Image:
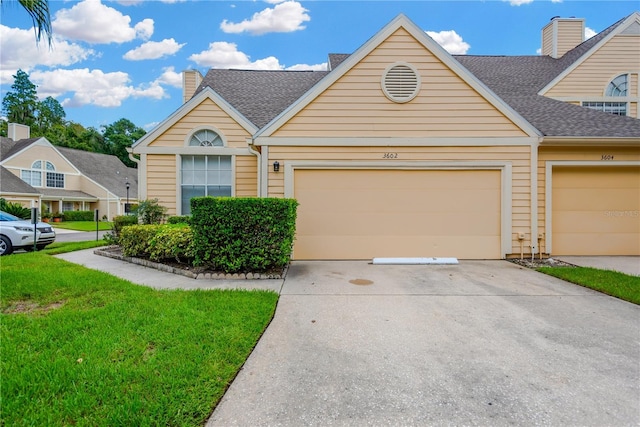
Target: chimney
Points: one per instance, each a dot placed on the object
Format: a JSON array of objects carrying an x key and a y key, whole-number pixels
[
  {"x": 17, "y": 131},
  {"x": 561, "y": 35},
  {"x": 191, "y": 79}
]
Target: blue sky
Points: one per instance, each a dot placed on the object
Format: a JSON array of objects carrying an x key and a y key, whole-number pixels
[{"x": 115, "y": 59}]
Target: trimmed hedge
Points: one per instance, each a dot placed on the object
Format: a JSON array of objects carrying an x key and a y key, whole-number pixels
[
  {"x": 77, "y": 216},
  {"x": 183, "y": 219},
  {"x": 157, "y": 242},
  {"x": 134, "y": 239},
  {"x": 239, "y": 235}
]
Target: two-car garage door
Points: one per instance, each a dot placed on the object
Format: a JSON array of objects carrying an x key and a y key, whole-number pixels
[{"x": 366, "y": 213}]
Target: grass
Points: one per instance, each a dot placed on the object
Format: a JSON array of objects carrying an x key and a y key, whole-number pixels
[
  {"x": 81, "y": 347},
  {"x": 619, "y": 285},
  {"x": 57, "y": 248},
  {"x": 83, "y": 225}
]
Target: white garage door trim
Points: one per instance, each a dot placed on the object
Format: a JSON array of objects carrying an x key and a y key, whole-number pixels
[
  {"x": 548, "y": 188},
  {"x": 505, "y": 181}
]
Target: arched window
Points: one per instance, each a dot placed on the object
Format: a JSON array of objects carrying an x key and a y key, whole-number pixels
[
  {"x": 618, "y": 86},
  {"x": 39, "y": 168},
  {"x": 206, "y": 138}
]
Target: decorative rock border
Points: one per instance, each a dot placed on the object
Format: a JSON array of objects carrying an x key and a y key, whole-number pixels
[{"x": 114, "y": 252}]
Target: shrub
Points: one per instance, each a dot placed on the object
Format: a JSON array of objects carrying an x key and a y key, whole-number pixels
[
  {"x": 172, "y": 241},
  {"x": 184, "y": 219},
  {"x": 150, "y": 212},
  {"x": 77, "y": 216},
  {"x": 119, "y": 222},
  {"x": 135, "y": 239},
  {"x": 243, "y": 234},
  {"x": 15, "y": 209}
]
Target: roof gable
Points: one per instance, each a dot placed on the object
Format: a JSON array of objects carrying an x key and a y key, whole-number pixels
[
  {"x": 581, "y": 53},
  {"x": 348, "y": 63},
  {"x": 186, "y": 108}
]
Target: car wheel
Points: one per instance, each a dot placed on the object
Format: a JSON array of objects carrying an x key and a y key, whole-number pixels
[{"x": 5, "y": 246}]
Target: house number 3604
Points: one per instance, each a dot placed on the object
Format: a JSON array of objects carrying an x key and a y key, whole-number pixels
[
  {"x": 606, "y": 157},
  {"x": 390, "y": 156}
]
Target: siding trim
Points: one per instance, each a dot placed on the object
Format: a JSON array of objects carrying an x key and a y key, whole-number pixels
[
  {"x": 635, "y": 16},
  {"x": 180, "y": 113},
  {"x": 401, "y": 21},
  {"x": 506, "y": 178},
  {"x": 385, "y": 142},
  {"x": 548, "y": 193},
  {"x": 218, "y": 151}
]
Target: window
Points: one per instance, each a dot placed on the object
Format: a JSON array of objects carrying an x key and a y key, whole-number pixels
[
  {"x": 67, "y": 206},
  {"x": 617, "y": 108},
  {"x": 33, "y": 176},
  {"x": 618, "y": 86},
  {"x": 206, "y": 138},
  {"x": 204, "y": 176}
]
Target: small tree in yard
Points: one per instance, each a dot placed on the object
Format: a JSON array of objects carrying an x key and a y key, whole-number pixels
[{"x": 150, "y": 212}]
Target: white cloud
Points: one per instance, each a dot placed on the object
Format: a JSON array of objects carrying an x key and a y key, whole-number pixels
[
  {"x": 307, "y": 67},
  {"x": 170, "y": 77},
  {"x": 450, "y": 41},
  {"x": 18, "y": 51},
  {"x": 153, "y": 50},
  {"x": 150, "y": 126},
  {"x": 227, "y": 55},
  {"x": 588, "y": 33},
  {"x": 518, "y": 2},
  {"x": 93, "y": 22},
  {"x": 285, "y": 17},
  {"x": 92, "y": 87}
]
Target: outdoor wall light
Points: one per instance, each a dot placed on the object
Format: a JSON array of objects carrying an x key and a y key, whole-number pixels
[{"x": 276, "y": 166}]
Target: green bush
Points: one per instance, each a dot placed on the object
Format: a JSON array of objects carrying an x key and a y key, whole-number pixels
[
  {"x": 135, "y": 240},
  {"x": 150, "y": 212},
  {"x": 172, "y": 241},
  {"x": 184, "y": 219},
  {"x": 77, "y": 216},
  {"x": 119, "y": 222},
  {"x": 15, "y": 209},
  {"x": 243, "y": 234}
]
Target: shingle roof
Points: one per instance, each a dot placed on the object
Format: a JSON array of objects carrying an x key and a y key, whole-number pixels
[
  {"x": 9, "y": 147},
  {"x": 260, "y": 95},
  {"x": 104, "y": 169},
  {"x": 74, "y": 194},
  {"x": 10, "y": 183}
]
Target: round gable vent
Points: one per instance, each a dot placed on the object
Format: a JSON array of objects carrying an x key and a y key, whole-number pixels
[{"x": 400, "y": 82}]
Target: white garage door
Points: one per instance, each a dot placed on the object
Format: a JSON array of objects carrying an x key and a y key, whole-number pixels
[
  {"x": 595, "y": 210},
  {"x": 362, "y": 214}
]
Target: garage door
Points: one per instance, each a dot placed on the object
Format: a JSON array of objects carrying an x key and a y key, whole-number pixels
[
  {"x": 362, "y": 214},
  {"x": 595, "y": 211}
]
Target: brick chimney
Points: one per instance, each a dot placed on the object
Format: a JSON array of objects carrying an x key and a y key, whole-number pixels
[
  {"x": 191, "y": 79},
  {"x": 561, "y": 35},
  {"x": 17, "y": 131}
]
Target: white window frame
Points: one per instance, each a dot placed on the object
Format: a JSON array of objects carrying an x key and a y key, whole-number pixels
[{"x": 232, "y": 159}]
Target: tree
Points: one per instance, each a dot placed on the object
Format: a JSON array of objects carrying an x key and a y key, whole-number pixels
[
  {"x": 49, "y": 113},
  {"x": 21, "y": 102},
  {"x": 40, "y": 16},
  {"x": 119, "y": 136}
]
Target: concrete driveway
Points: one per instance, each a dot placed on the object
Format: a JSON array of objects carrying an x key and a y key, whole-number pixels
[{"x": 480, "y": 343}]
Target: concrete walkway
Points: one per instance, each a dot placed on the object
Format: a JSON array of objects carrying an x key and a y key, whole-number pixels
[{"x": 624, "y": 264}]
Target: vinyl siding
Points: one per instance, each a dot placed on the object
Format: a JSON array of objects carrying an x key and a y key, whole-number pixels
[
  {"x": 570, "y": 35},
  {"x": 246, "y": 176},
  {"x": 355, "y": 104},
  {"x": 161, "y": 178},
  {"x": 517, "y": 156},
  {"x": 547, "y": 40},
  {"x": 38, "y": 152},
  {"x": 206, "y": 113}
]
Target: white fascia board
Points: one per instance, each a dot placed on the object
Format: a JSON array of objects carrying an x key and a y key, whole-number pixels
[
  {"x": 395, "y": 142},
  {"x": 187, "y": 108},
  {"x": 635, "y": 17},
  {"x": 551, "y": 141},
  {"x": 401, "y": 21}
]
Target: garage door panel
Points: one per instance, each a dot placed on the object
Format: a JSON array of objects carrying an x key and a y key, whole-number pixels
[
  {"x": 595, "y": 210},
  {"x": 360, "y": 214}
]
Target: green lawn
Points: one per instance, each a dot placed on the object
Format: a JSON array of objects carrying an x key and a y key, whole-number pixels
[
  {"x": 81, "y": 347},
  {"x": 619, "y": 285},
  {"x": 82, "y": 225},
  {"x": 63, "y": 247}
]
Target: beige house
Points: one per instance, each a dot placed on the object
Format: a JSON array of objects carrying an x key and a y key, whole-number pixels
[
  {"x": 36, "y": 173},
  {"x": 403, "y": 150}
]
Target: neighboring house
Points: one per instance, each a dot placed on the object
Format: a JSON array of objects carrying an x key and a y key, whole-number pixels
[
  {"x": 36, "y": 173},
  {"x": 403, "y": 150}
]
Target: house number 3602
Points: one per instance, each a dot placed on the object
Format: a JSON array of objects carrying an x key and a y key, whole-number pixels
[
  {"x": 606, "y": 157},
  {"x": 390, "y": 156}
]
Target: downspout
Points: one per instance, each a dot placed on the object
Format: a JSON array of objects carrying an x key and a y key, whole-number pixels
[
  {"x": 535, "y": 238},
  {"x": 255, "y": 152}
]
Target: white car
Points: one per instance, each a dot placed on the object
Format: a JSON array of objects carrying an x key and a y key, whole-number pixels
[{"x": 16, "y": 233}]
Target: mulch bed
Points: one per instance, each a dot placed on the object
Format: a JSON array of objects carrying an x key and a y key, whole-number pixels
[{"x": 536, "y": 263}]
